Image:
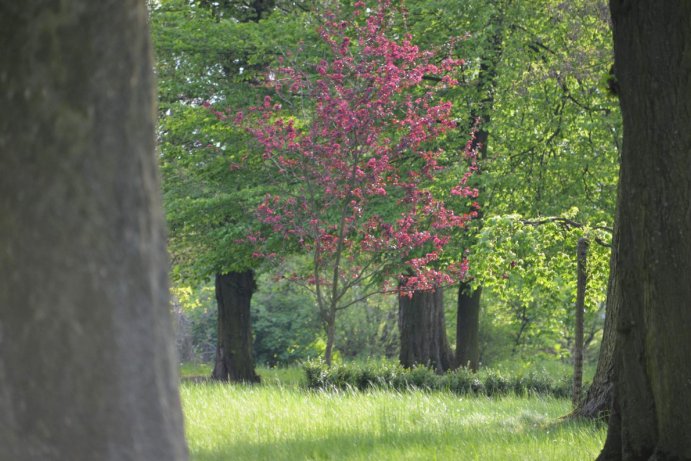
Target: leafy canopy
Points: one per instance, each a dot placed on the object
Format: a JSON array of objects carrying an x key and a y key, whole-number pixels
[{"x": 357, "y": 162}]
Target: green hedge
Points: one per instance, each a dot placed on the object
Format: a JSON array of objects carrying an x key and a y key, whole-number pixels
[{"x": 486, "y": 382}]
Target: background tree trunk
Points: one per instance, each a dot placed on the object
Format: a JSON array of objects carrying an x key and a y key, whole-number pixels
[
  {"x": 581, "y": 284},
  {"x": 234, "y": 354},
  {"x": 468, "y": 327},
  {"x": 330, "y": 328},
  {"x": 87, "y": 365},
  {"x": 598, "y": 400},
  {"x": 468, "y": 318},
  {"x": 652, "y": 408},
  {"x": 423, "y": 330}
]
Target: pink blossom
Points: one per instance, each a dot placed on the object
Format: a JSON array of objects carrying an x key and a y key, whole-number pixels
[{"x": 354, "y": 177}]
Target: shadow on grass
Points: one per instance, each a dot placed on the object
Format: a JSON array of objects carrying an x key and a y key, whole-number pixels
[{"x": 334, "y": 447}]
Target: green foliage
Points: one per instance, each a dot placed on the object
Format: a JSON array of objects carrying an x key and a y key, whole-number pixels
[
  {"x": 199, "y": 308},
  {"x": 190, "y": 370},
  {"x": 200, "y": 56},
  {"x": 369, "y": 328},
  {"x": 555, "y": 130},
  {"x": 529, "y": 270},
  {"x": 536, "y": 74},
  {"x": 286, "y": 326},
  {"x": 204, "y": 329},
  {"x": 207, "y": 62},
  {"x": 285, "y": 322},
  {"x": 554, "y": 138},
  {"x": 386, "y": 375}
]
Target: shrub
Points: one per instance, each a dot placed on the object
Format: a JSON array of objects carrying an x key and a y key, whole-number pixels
[
  {"x": 496, "y": 383},
  {"x": 387, "y": 375}
]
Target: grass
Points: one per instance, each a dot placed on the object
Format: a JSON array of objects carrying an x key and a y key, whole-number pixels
[
  {"x": 555, "y": 368},
  {"x": 277, "y": 376},
  {"x": 279, "y": 420}
]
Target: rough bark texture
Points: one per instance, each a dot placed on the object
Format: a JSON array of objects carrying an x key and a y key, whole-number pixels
[
  {"x": 652, "y": 410},
  {"x": 598, "y": 400},
  {"x": 423, "y": 331},
  {"x": 582, "y": 280},
  {"x": 87, "y": 365},
  {"x": 234, "y": 354},
  {"x": 468, "y": 327}
]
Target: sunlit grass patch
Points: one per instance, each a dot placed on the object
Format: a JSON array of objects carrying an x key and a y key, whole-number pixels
[{"x": 287, "y": 423}]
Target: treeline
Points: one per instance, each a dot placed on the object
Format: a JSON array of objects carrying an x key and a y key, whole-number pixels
[{"x": 531, "y": 100}]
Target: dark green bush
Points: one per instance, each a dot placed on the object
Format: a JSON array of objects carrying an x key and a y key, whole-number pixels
[
  {"x": 423, "y": 377},
  {"x": 496, "y": 383},
  {"x": 387, "y": 375}
]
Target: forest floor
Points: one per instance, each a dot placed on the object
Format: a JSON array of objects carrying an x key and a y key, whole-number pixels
[{"x": 280, "y": 420}]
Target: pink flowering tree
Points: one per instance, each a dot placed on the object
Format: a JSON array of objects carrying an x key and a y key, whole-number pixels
[{"x": 354, "y": 169}]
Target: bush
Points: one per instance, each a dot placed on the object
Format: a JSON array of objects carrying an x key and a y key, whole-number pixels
[
  {"x": 387, "y": 375},
  {"x": 285, "y": 323},
  {"x": 496, "y": 383}
]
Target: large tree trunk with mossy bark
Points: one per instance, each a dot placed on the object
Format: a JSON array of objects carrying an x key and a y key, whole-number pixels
[
  {"x": 651, "y": 417},
  {"x": 423, "y": 330},
  {"x": 87, "y": 365},
  {"x": 234, "y": 354},
  {"x": 468, "y": 327}
]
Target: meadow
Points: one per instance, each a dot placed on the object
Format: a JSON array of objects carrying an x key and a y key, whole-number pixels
[{"x": 281, "y": 420}]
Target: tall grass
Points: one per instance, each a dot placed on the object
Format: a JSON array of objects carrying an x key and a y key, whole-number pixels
[
  {"x": 277, "y": 376},
  {"x": 278, "y": 422}
]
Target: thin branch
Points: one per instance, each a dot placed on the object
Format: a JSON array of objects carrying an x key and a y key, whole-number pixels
[
  {"x": 568, "y": 224},
  {"x": 564, "y": 222}
]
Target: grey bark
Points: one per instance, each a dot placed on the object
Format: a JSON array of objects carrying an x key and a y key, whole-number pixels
[
  {"x": 234, "y": 354},
  {"x": 651, "y": 417},
  {"x": 87, "y": 365}
]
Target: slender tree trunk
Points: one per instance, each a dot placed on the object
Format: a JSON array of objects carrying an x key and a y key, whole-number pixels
[
  {"x": 87, "y": 364},
  {"x": 234, "y": 355},
  {"x": 651, "y": 417},
  {"x": 423, "y": 331},
  {"x": 330, "y": 326},
  {"x": 598, "y": 400},
  {"x": 581, "y": 284},
  {"x": 468, "y": 327}
]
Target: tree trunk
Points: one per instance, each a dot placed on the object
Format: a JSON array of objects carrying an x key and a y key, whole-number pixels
[
  {"x": 234, "y": 354},
  {"x": 87, "y": 363},
  {"x": 468, "y": 327},
  {"x": 652, "y": 409},
  {"x": 468, "y": 307},
  {"x": 423, "y": 330},
  {"x": 598, "y": 401},
  {"x": 330, "y": 337},
  {"x": 582, "y": 280}
]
